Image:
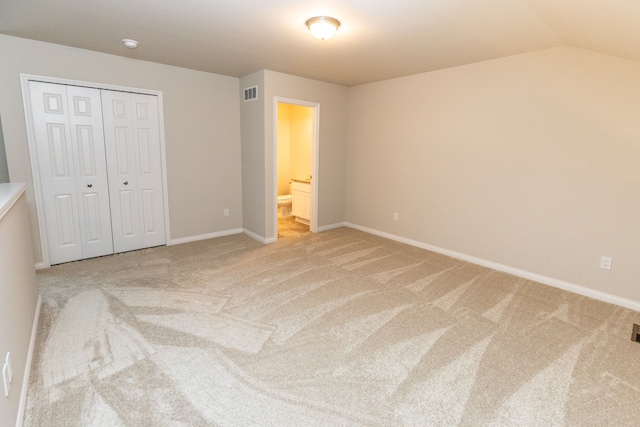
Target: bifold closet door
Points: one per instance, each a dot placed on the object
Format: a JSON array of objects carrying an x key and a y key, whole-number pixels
[
  {"x": 134, "y": 164},
  {"x": 72, "y": 168}
]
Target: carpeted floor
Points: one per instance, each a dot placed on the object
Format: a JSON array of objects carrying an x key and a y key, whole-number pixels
[{"x": 338, "y": 328}]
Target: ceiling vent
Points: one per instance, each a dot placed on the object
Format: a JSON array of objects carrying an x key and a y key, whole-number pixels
[{"x": 251, "y": 93}]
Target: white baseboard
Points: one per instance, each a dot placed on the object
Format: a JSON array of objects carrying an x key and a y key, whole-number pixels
[
  {"x": 254, "y": 236},
  {"x": 576, "y": 289},
  {"x": 27, "y": 369},
  {"x": 258, "y": 238},
  {"x": 204, "y": 236},
  {"x": 331, "y": 226},
  {"x": 40, "y": 266}
]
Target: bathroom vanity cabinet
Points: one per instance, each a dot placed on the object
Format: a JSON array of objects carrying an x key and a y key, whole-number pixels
[{"x": 301, "y": 201}]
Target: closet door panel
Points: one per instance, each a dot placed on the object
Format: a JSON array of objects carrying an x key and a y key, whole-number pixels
[
  {"x": 119, "y": 140},
  {"x": 93, "y": 229},
  {"x": 57, "y": 173},
  {"x": 135, "y": 169},
  {"x": 150, "y": 189},
  {"x": 128, "y": 214},
  {"x": 65, "y": 221},
  {"x": 85, "y": 116}
]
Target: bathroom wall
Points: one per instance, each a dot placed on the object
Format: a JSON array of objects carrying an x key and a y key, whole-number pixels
[
  {"x": 294, "y": 144},
  {"x": 284, "y": 148},
  {"x": 300, "y": 138}
]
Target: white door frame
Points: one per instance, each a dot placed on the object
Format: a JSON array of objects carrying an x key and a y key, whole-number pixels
[
  {"x": 25, "y": 79},
  {"x": 315, "y": 149}
]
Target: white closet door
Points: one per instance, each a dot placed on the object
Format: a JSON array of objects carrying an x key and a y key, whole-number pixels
[
  {"x": 134, "y": 164},
  {"x": 87, "y": 136},
  {"x": 71, "y": 159}
]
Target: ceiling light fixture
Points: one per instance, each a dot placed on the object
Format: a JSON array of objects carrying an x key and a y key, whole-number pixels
[
  {"x": 323, "y": 27},
  {"x": 131, "y": 44}
]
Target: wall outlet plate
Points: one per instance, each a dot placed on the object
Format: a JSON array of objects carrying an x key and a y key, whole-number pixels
[{"x": 605, "y": 263}]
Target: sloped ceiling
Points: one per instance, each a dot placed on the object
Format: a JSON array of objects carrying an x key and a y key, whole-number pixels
[{"x": 378, "y": 39}]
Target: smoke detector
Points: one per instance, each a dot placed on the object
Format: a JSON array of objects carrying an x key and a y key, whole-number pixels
[{"x": 131, "y": 44}]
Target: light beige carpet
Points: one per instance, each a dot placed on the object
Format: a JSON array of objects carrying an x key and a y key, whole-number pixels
[{"x": 339, "y": 328}]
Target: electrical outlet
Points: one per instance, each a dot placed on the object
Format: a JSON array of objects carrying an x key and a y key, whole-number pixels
[
  {"x": 226, "y": 212},
  {"x": 605, "y": 263},
  {"x": 395, "y": 216}
]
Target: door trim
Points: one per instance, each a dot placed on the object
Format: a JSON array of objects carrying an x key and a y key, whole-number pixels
[
  {"x": 315, "y": 149},
  {"x": 35, "y": 172}
]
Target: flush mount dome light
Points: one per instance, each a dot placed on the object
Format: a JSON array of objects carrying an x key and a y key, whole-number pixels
[
  {"x": 323, "y": 27},
  {"x": 131, "y": 44}
]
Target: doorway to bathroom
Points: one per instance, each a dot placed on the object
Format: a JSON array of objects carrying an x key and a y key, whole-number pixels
[{"x": 296, "y": 172}]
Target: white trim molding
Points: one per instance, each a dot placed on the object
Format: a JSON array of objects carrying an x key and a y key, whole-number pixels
[
  {"x": 27, "y": 370},
  {"x": 259, "y": 238},
  {"x": 550, "y": 281},
  {"x": 332, "y": 226},
  {"x": 213, "y": 235}
]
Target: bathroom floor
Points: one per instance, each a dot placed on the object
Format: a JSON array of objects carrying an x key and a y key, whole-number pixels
[{"x": 289, "y": 227}]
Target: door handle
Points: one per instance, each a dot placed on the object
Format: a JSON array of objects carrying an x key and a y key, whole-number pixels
[
  {"x": 89, "y": 185},
  {"x": 126, "y": 183}
]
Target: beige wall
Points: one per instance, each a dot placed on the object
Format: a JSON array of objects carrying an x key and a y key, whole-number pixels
[
  {"x": 333, "y": 100},
  {"x": 530, "y": 161},
  {"x": 18, "y": 298},
  {"x": 202, "y": 128},
  {"x": 252, "y": 116}
]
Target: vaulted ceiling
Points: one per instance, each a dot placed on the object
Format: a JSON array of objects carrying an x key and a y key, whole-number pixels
[{"x": 378, "y": 39}]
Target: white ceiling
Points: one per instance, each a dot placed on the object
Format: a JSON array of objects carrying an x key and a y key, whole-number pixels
[{"x": 378, "y": 39}]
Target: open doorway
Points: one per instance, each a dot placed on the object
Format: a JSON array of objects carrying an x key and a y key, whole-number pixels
[{"x": 296, "y": 172}]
